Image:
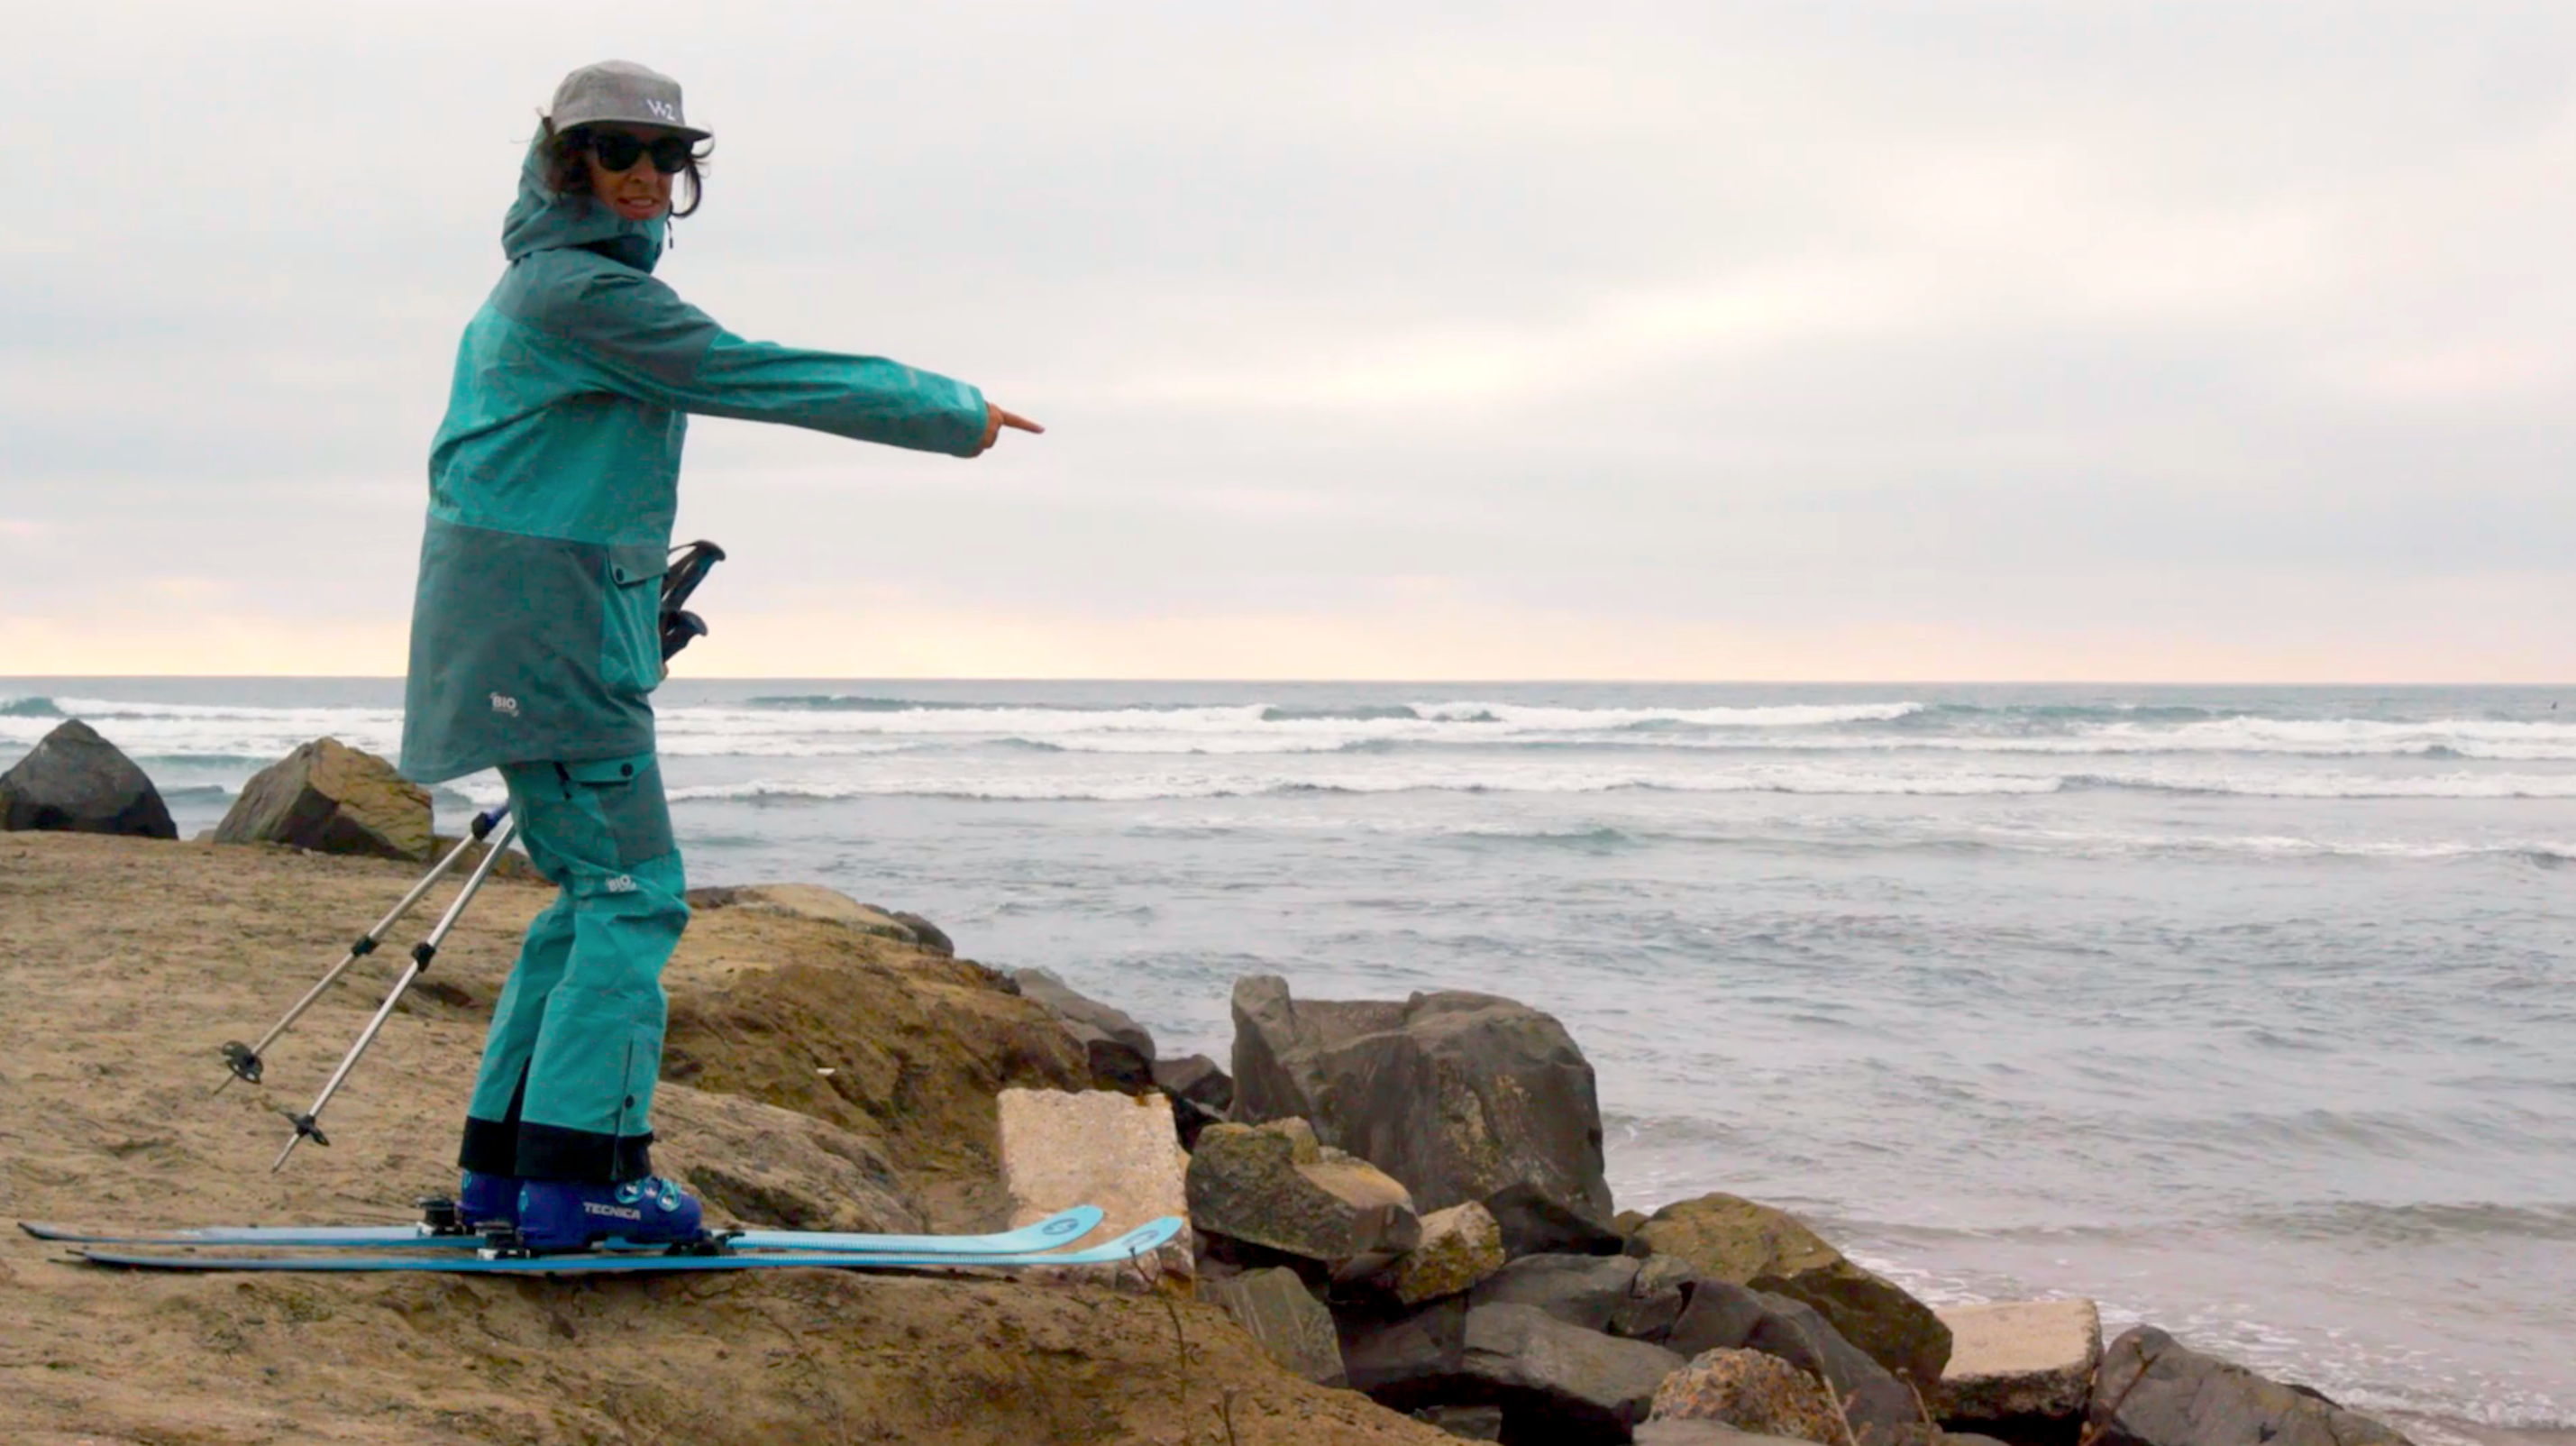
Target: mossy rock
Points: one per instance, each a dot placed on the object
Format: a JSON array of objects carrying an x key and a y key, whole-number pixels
[{"x": 1729, "y": 1238}]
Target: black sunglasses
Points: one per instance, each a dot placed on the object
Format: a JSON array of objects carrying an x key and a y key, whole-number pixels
[{"x": 618, "y": 151}]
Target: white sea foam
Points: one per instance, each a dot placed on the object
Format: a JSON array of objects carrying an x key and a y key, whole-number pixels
[{"x": 1813, "y": 782}]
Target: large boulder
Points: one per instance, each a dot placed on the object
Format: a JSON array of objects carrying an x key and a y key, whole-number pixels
[
  {"x": 2151, "y": 1391},
  {"x": 1276, "y": 1188},
  {"x": 74, "y": 781},
  {"x": 1882, "y": 1410},
  {"x": 1749, "y": 1391},
  {"x": 1558, "y": 1382},
  {"x": 2021, "y": 1361},
  {"x": 1458, "y": 1095},
  {"x": 334, "y": 799},
  {"x": 1274, "y": 1307},
  {"x": 1726, "y": 1237},
  {"x": 1121, "y": 1051},
  {"x": 1062, "y": 1148}
]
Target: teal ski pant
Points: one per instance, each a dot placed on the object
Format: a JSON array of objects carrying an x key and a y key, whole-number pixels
[{"x": 566, "y": 1089}]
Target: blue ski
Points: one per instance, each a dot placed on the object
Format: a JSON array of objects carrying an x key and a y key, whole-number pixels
[
  {"x": 1055, "y": 1230},
  {"x": 1126, "y": 1247}
]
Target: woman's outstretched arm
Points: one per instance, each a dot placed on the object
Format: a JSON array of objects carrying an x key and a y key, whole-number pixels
[{"x": 634, "y": 336}]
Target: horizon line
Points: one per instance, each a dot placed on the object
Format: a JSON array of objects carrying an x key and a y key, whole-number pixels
[{"x": 6, "y": 678}]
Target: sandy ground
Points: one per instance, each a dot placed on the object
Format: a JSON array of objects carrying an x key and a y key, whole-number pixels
[{"x": 124, "y": 965}]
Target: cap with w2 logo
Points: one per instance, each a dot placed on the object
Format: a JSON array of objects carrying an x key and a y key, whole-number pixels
[{"x": 620, "y": 92}]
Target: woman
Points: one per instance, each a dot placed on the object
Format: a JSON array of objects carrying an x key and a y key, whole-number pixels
[{"x": 534, "y": 645}]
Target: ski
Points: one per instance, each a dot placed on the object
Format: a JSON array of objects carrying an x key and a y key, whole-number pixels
[
  {"x": 1057, "y": 1229},
  {"x": 1126, "y": 1247}
]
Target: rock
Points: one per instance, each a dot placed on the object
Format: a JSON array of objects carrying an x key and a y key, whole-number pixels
[
  {"x": 1393, "y": 1360},
  {"x": 334, "y": 799},
  {"x": 1535, "y": 1224},
  {"x": 1275, "y": 1187},
  {"x": 1580, "y": 1290},
  {"x": 1060, "y": 999},
  {"x": 1460, "y": 1247},
  {"x": 1882, "y": 1410},
  {"x": 1467, "y": 1423},
  {"x": 1191, "y": 1119},
  {"x": 1195, "y": 1077},
  {"x": 1560, "y": 1382},
  {"x": 925, "y": 933},
  {"x": 1062, "y": 1148},
  {"x": 2151, "y": 1391},
  {"x": 1457, "y": 1095},
  {"x": 1726, "y": 1237},
  {"x": 1655, "y": 1302},
  {"x": 879, "y": 1038},
  {"x": 1275, "y": 1308},
  {"x": 778, "y": 1169},
  {"x": 805, "y": 901},
  {"x": 74, "y": 781},
  {"x": 1751, "y": 1392},
  {"x": 2019, "y": 1360},
  {"x": 1122, "y": 1053},
  {"x": 1677, "y": 1432}
]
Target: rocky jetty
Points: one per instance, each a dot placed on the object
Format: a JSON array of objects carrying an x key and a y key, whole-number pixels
[{"x": 1525, "y": 1308}]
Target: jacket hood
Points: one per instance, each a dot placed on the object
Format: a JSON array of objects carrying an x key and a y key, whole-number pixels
[{"x": 541, "y": 220}]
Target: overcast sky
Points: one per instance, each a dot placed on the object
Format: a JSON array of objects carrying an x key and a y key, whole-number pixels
[{"x": 1866, "y": 339}]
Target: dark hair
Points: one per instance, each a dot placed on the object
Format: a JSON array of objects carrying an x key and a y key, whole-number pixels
[{"x": 568, "y": 172}]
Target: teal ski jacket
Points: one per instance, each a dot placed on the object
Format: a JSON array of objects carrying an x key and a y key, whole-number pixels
[{"x": 554, "y": 478}]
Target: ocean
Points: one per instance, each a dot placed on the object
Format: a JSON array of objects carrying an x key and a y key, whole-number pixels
[{"x": 2243, "y": 1011}]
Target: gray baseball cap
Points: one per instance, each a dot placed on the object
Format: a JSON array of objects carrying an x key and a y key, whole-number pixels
[{"x": 620, "y": 91}]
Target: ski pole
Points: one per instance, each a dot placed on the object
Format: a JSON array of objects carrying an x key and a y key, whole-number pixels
[
  {"x": 244, "y": 1059},
  {"x": 421, "y": 954}
]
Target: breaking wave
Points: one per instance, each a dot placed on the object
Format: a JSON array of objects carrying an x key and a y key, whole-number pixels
[{"x": 1817, "y": 782}]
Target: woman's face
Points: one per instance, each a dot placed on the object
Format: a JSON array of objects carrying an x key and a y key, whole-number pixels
[{"x": 639, "y": 192}]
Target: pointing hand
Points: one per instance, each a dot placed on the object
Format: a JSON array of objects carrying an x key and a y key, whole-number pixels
[{"x": 995, "y": 419}]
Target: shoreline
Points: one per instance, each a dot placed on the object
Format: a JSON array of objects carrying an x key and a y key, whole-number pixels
[{"x": 2038, "y": 1282}]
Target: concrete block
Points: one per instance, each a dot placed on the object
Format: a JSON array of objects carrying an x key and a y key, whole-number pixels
[
  {"x": 2027, "y": 1358},
  {"x": 1094, "y": 1147}
]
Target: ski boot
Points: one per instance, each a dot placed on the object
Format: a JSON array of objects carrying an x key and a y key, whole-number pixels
[
  {"x": 486, "y": 1201},
  {"x": 557, "y": 1216}
]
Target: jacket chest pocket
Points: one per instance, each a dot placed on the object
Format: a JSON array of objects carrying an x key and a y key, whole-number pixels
[{"x": 630, "y": 645}]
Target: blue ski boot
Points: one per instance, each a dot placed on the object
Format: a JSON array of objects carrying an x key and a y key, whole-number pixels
[
  {"x": 484, "y": 1201},
  {"x": 556, "y": 1216}
]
